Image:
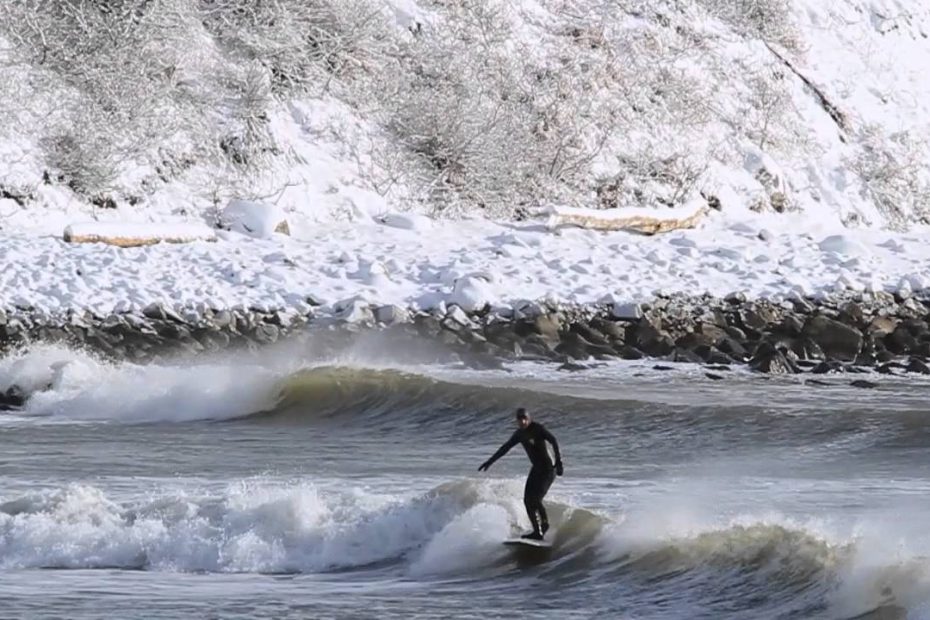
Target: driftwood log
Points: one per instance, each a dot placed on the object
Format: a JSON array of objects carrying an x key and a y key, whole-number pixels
[
  {"x": 136, "y": 235},
  {"x": 647, "y": 222}
]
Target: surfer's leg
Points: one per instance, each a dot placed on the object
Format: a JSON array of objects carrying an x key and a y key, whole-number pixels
[
  {"x": 532, "y": 499},
  {"x": 543, "y": 517},
  {"x": 532, "y": 510}
]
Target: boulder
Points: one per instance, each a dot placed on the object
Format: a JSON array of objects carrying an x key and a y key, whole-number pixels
[
  {"x": 548, "y": 326},
  {"x": 769, "y": 359},
  {"x": 391, "y": 315},
  {"x": 733, "y": 348},
  {"x": 832, "y": 366},
  {"x": 917, "y": 366},
  {"x": 713, "y": 355},
  {"x": 838, "y": 341},
  {"x": 882, "y": 326},
  {"x": 613, "y": 330},
  {"x": 627, "y": 312},
  {"x": 901, "y": 341},
  {"x": 588, "y": 333},
  {"x": 648, "y": 337}
]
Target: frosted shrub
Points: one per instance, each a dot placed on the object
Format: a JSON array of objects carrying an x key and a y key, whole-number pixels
[
  {"x": 303, "y": 43},
  {"x": 499, "y": 126},
  {"x": 455, "y": 105},
  {"x": 892, "y": 169},
  {"x": 169, "y": 84},
  {"x": 115, "y": 73},
  {"x": 771, "y": 21}
]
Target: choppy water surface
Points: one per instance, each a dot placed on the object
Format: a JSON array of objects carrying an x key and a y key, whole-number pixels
[{"x": 287, "y": 487}]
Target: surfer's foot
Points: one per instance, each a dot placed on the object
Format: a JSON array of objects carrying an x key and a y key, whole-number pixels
[
  {"x": 545, "y": 528},
  {"x": 532, "y": 536}
]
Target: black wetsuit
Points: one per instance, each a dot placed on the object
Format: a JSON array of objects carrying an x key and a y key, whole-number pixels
[{"x": 542, "y": 474}]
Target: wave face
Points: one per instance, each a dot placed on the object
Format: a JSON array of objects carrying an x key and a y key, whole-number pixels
[
  {"x": 452, "y": 530},
  {"x": 72, "y": 385}
]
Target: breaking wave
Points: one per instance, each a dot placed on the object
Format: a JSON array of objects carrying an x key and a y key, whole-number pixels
[
  {"x": 454, "y": 529},
  {"x": 71, "y": 385}
]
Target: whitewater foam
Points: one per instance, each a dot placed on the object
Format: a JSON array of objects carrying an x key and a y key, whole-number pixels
[
  {"x": 252, "y": 526},
  {"x": 75, "y": 385}
]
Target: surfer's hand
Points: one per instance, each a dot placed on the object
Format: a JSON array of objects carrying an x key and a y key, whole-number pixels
[
  {"x": 558, "y": 468},
  {"x": 484, "y": 466}
]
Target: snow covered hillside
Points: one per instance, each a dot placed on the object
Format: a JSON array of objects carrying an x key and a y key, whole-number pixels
[{"x": 339, "y": 109}]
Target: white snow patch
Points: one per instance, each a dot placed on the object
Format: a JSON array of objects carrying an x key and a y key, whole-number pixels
[{"x": 255, "y": 219}]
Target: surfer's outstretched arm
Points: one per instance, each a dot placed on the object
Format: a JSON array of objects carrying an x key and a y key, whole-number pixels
[
  {"x": 504, "y": 449},
  {"x": 555, "y": 448}
]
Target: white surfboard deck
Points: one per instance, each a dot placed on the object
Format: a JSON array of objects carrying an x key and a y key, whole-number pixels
[{"x": 528, "y": 542}]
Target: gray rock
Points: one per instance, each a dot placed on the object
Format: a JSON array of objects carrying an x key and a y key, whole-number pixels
[
  {"x": 354, "y": 311},
  {"x": 648, "y": 337},
  {"x": 156, "y": 311},
  {"x": 428, "y": 326},
  {"x": 687, "y": 356},
  {"x": 223, "y": 319},
  {"x": 714, "y": 332},
  {"x": 627, "y": 312},
  {"x": 791, "y": 325},
  {"x": 769, "y": 359},
  {"x": 759, "y": 316},
  {"x": 901, "y": 341},
  {"x": 882, "y": 325},
  {"x": 838, "y": 341},
  {"x": 548, "y": 326},
  {"x": 587, "y": 332},
  {"x": 173, "y": 331},
  {"x": 628, "y": 352},
  {"x": 832, "y": 366},
  {"x": 266, "y": 333},
  {"x": 693, "y": 340},
  {"x": 733, "y": 347},
  {"x": 807, "y": 349},
  {"x": 614, "y": 331},
  {"x": 391, "y": 315},
  {"x": 713, "y": 355},
  {"x": 458, "y": 316}
]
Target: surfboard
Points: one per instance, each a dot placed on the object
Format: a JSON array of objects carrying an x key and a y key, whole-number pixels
[{"x": 528, "y": 542}]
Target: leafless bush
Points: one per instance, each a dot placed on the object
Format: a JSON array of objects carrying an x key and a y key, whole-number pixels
[
  {"x": 112, "y": 70},
  {"x": 892, "y": 169},
  {"x": 145, "y": 84},
  {"x": 767, "y": 20},
  {"x": 500, "y": 126},
  {"x": 302, "y": 42}
]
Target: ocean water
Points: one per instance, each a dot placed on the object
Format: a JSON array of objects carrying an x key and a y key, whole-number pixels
[{"x": 287, "y": 484}]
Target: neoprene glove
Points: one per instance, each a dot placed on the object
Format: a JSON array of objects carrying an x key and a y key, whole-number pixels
[
  {"x": 484, "y": 466},
  {"x": 558, "y": 468}
]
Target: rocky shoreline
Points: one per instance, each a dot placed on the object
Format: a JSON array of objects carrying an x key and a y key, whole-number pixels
[{"x": 890, "y": 333}]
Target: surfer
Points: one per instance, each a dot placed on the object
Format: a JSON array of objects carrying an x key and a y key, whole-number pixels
[{"x": 533, "y": 436}]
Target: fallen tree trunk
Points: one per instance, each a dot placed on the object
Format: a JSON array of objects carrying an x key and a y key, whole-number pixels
[
  {"x": 135, "y": 235},
  {"x": 645, "y": 221}
]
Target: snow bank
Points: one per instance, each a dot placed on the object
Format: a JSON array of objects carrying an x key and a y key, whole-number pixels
[{"x": 470, "y": 264}]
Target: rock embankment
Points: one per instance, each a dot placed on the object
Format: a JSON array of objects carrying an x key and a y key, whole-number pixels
[{"x": 884, "y": 331}]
